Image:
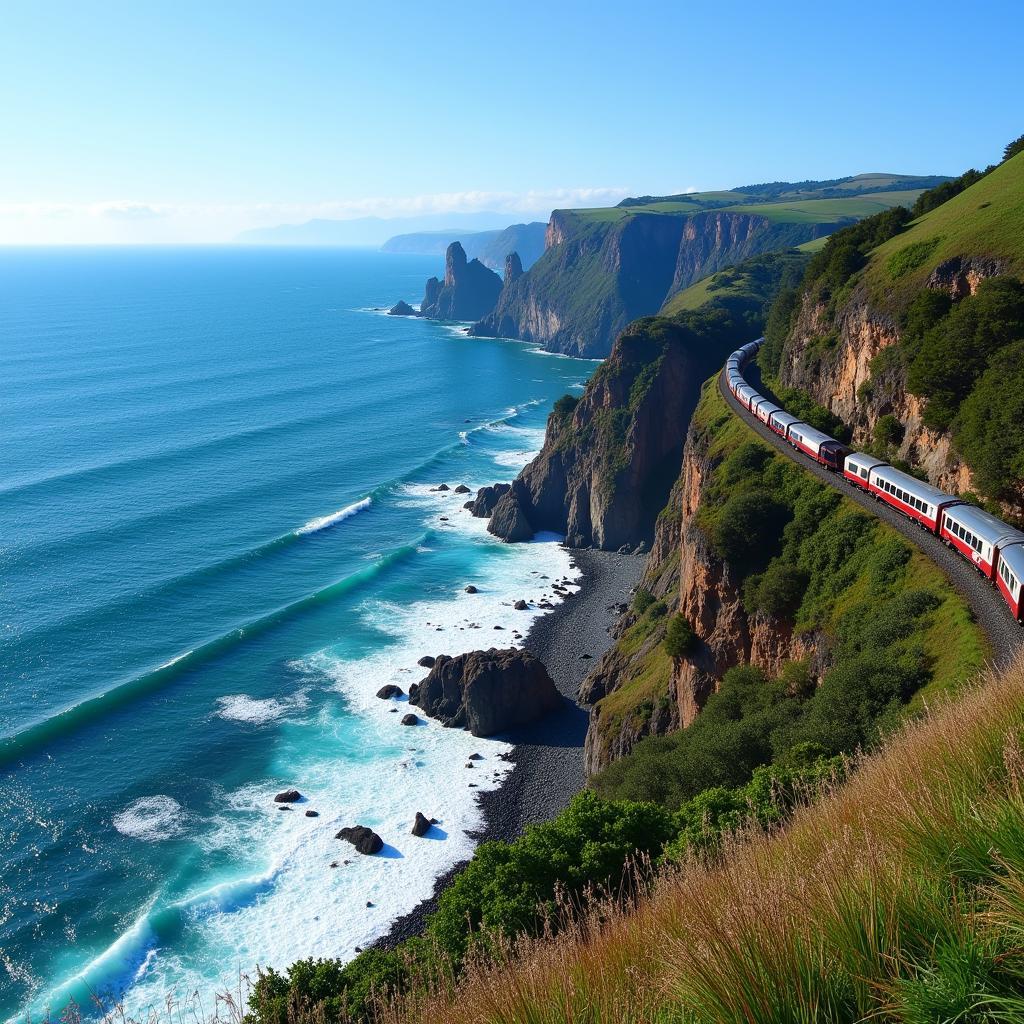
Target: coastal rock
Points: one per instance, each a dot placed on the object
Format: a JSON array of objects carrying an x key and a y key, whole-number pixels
[
  {"x": 462, "y": 489},
  {"x": 389, "y": 691},
  {"x": 509, "y": 520},
  {"x": 288, "y": 796},
  {"x": 521, "y": 605},
  {"x": 312, "y": 814},
  {"x": 441, "y": 487},
  {"x": 410, "y": 719},
  {"x": 487, "y": 691},
  {"x": 401, "y": 308},
  {"x": 487, "y": 498},
  {"x": 471, "y": 589},
  {"x": 469, "y": 290},
  {"x": 427, "y": 661},
  {"x": 421, "y": 826},
  {"x": 365, "y": 840},
  {"x": 513, "y": 268}
]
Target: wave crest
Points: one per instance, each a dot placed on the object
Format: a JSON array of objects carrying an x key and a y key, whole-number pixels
[{"x": 321, "y": 523}]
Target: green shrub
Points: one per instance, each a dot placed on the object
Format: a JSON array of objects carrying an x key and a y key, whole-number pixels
[
  {"x": 747, "y": 526},
  {"x": 778, "y": 591},
  {"x": 642, "y": 600},
  {"x": 888, "y": 431},
  {"x": 679, "y": 637},
  {"x": 564, "y": 407}
]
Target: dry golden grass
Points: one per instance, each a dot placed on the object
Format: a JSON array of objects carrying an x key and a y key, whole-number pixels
[{"x": 868, "y": 905}]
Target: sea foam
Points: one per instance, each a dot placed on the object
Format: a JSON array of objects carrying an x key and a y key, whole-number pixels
[{"x": 321, "y": 523}]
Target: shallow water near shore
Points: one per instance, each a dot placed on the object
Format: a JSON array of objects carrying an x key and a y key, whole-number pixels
[{"x": 219, "y": 540}]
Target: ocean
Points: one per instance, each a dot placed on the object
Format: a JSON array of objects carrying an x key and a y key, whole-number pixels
[{"x": 219, "y": 537}]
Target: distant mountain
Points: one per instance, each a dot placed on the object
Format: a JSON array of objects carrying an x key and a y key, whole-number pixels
[
  {"x": 490, "y": 247},
  {"x": 374, "y": 231}
]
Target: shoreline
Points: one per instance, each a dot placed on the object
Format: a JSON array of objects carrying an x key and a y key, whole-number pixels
[{"x": 548, "y": 755}]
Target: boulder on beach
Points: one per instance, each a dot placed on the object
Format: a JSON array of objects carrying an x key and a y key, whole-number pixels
[
  {"x": 520, "y": 605},
  {"x": 401, "y": 308},
  {"x": 486, "y": 691},
  {"x": 365, "y": 840},
  {"x": 426, "y": 661},
  {"x": 421, "y": 826},
  {"x": 410, "y": 719},
  {"x": 390, "y": 690},
  {"x": 288, "y": 796}
]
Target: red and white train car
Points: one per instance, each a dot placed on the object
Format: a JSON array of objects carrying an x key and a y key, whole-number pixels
[
  {"x": 978, "y": 536},
  {"x": 781, "y": 421},
  {"x": 764, "y": 410},
  {"x": 820, "y": 447},
  {"x": 914, "y": 498},
  {"x": 1010, "y": 578}
]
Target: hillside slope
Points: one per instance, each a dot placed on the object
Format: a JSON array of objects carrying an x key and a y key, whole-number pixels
[{"x": 919, "y": 347}]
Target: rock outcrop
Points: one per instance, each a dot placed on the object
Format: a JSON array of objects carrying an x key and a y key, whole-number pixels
[
  {"x": 421, "y": 826},
  {"x": 401, "y": 308},
  {"x": 486, "y": 499},
  {"x": 609, "y": 461},
  {"x": 486, "y": 692},
  {"x": 364, "y": 839},
  {"x": 469, "y": 290},
  {"x": 288, "y": 796}
]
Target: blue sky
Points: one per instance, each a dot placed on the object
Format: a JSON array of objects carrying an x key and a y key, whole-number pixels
[{"x": 161, "y": 121}]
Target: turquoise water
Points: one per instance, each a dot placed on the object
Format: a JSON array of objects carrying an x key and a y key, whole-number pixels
[{"x": 218, "y": 538}]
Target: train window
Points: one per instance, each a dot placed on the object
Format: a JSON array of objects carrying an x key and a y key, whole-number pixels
[{"x": 864, "y": 474}]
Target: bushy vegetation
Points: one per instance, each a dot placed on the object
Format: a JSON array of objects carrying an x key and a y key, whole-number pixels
[
  {"x": 679, "y": 637},
  {"x": 946, "y": 360},
  {"x": 532, "y": 886},
  {"x": 800, "y": 551},
  {"x": 898, "y": 898},
  {"x": 564, "y": 407},
  {"x": 935, "y": 197}
]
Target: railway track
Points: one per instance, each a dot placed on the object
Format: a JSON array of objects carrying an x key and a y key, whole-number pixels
[{"x": 1005, "y": 636}]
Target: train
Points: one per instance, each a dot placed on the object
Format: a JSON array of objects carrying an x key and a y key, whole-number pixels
[{"x": 995, "y": 549}]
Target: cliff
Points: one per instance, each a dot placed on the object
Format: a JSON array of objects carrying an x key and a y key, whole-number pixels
[
  {"x": 490, "y": 247},
  {"x": 610, "y": 459},
  {"x": 637, "y": 689},
  {"x": 467, "y": 292},
  {"x": 596, "y": 276}
]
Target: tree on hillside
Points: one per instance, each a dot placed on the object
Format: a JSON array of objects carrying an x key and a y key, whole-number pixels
[{"x": 1013, "y": 148}]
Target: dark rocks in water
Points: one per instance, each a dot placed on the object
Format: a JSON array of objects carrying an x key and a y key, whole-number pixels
[
  {"x": 508, "y": 520},
  {"x": 499, "y": 627},
  {"x": 312, "y": 814},
  {"x": 471, "y": 589},
  {"x": 441, "y": 487},
  {"x": 426, "y": 661},
  {"x": 334, "y": 863},
  {"x": 410, "y": 719},
  {"x": 421, "y": 826},
  {"x": 462, "y": 489},
  {"x": 283, "y": 807},
  {"x": 487, "y": 691},
  {"x": 402, "y": 308},
  {"x": 469, "y": 290},
  {"x": 389, "y": 691},
  {"x": 369, "y": 903},
  {"x": 476, "y": 757},
  {"x": 487, "y": 498},
  {"x": 521, "y": 605},
  {"x": 289, "y": 796},
  {"x": 469, "y": 764},
  {"x": 469, "y": 505},
  {"x": 393, "y": 711},
  {"x": 365, "y": 840}
]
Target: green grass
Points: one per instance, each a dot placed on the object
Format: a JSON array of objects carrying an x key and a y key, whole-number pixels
[
  {"x": 754, "y": 280},
  {"x": 828, "y": 211},
  {"x": 814, "y": 245},
  {"x": 986, "y": 219}
]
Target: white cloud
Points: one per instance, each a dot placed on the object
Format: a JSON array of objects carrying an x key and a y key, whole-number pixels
[{"x": 126, "y": 209}]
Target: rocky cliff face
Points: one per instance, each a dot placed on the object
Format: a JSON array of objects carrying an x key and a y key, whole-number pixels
[
  {"x": 636, "y": 690},
  {"x": 596, "y": 277},
  {"x": 607, "y": 466},
  {"x": 468, "y": 292},
  {"x": 829, "y": 356}
]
